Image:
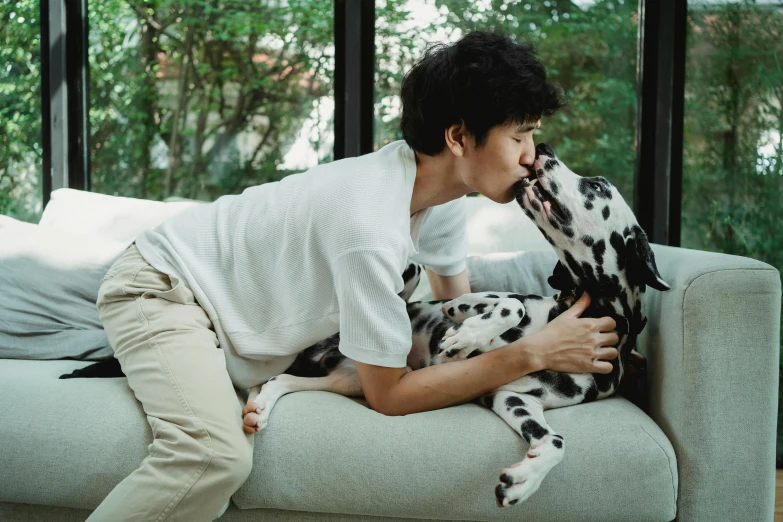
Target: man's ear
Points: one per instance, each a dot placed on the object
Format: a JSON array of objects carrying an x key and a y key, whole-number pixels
[
  {"x": 641, "y": 267},
  {"x": 455, "y": 138},
  {"x": 561, "y": 279}
]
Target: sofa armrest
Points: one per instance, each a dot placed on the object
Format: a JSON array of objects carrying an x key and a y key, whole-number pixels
[{"x": 712, "y": 348}]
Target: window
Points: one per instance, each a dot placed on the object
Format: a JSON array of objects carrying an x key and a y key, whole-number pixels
[
  {"x": 194, "y": 101},
  {"x": 733, "y": 133},
  {"x": 588, "y": 47},
  {"x": 21, "y": 151}
]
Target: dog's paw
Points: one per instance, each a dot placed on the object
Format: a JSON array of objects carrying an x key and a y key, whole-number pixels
[
  {"x": 258, "y": 416},
  {"x": 517, "y": 483},
  {"x": 459, "y": 342},
  {"x": 469, "y": 305}
]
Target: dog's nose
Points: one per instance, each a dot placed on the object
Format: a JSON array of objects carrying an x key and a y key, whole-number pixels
[{"x": 546, "y": 150}]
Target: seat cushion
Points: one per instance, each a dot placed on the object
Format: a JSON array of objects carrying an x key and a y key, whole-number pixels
[{"x": 69, "y": 442}]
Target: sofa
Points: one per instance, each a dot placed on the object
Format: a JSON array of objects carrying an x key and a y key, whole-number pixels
[{"x": 702, "y": 448}]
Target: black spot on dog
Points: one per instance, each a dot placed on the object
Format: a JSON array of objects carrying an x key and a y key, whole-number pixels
[
  {"x": 536, "y": 206},
  {"x": 436, "y": 337},
  {"x": 480, "y": 307},
  {"x": 474, "y": 353},
  {"x": 463, "y": 308},
  {"x": 538, "y": 392},
  {"x": 554, "y": 223},
  {"x": 409, "y": 273},
  {"x": 556, "y": 310},
  {"x": 554, "y": 188},
  {"x": 520, "y": 313},
  {"x": 588, "y": 240},
  {"x": 487, "y": 315},
  {"x": 617, "y": 242},
  {"x": 419, "y": 323},
  {"x": 493, "y": 296},
  {"x": 605, "y": 213},
  {"x": 505, "y": 312},
  {"x": 532, "y": 430},
  {"x": 511, "y": 335},
  {"x": 562, "y": 383},
  {"x": 550, "y": 164},
  {"x": 520, "y": 412},
  {"x": 568, "y": 231},
  {"x": 588, "y": 205},
  {"x": 557, "y": 443},
  {"x": 513, "y": 401},
  {"x": 598, "y": 251},
  {"x": 488, "y": 400},
  {"x": 451, "y": 311},
  {"x": 507, "y": 480}
]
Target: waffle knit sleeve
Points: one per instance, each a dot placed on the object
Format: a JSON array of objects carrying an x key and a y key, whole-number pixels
[{"x": 374, "y": 324}]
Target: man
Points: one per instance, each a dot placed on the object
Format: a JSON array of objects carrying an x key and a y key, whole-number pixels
[{"x": 225, "y": 295}]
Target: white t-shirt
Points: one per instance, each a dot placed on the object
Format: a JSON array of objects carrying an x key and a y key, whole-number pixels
[{"x": 286, "y": 264}]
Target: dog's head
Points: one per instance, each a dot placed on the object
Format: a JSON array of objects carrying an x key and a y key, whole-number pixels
[{"x": 596, "y": 235}]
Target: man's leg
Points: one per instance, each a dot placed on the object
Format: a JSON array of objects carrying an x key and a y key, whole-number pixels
[{"x": 168, "y": 350}]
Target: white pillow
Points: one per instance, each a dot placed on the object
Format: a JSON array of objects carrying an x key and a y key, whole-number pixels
[
  {"x": 116, "y": 217},
  {"x": 49, "y": 280}
]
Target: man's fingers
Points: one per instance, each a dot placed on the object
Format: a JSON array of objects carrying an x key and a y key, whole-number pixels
[
  {"x": 607, "y": 354},
  {"x": 606, "y": 324},
  {"x": 580, "y": 306},
  {"x": 608, "y": 339}
]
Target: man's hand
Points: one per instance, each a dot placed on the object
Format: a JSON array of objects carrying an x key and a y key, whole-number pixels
[{"x": 573, "y": 344}]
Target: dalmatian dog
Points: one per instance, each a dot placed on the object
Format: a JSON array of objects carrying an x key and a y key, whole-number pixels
[{"x": 601, "y": 250}]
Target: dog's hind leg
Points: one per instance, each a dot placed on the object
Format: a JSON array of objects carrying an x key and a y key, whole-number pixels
[
  {"x": 342, "y": 380},
  {"x": 525, "y": 414}
]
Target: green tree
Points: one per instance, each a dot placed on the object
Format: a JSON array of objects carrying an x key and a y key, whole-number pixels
[{"x": 21, "y": 151}]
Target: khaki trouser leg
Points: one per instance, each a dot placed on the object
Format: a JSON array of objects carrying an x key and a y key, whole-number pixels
[{"x": 168, "y": 350}]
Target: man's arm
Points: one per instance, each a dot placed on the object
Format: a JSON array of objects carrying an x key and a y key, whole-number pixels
[
  {"x": 398, "y": 391},
  {"x": 448, "y": 287}
]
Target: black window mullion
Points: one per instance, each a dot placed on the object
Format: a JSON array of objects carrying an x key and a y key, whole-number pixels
[
  {"x": 658, "y": 186},
  {"x": 77, "y": 79},
  {"x": 64, "y": 102},
  {"x": 354, "y": 40}
]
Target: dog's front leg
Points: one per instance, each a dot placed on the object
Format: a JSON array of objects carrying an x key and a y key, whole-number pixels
[
  {"x": 477, "y": 332},
  {"x": 471, "y": 305},
  {"x": 343, "y": 380},
  {"x": 525, "y": 414}
]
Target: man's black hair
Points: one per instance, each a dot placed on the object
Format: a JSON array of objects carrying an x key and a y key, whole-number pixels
[{"x": 484, "y": 80}]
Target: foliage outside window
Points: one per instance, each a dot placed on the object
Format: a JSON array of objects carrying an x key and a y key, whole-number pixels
[
  {"x": 188, "y": 99},
  {"x": 21, "y": 150}
]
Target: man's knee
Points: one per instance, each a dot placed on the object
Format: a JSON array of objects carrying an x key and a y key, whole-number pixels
[{"x": 233, "y": 459}]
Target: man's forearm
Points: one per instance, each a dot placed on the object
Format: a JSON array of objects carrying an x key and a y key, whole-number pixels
[{"x": 443, "y": 385}]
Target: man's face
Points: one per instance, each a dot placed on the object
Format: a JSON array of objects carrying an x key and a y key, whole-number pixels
[{"x": 503, "y": 161}]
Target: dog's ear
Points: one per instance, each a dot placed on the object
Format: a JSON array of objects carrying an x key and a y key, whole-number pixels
[
  {"x": 641, "y": 268},
  {"x": 561, "y": 279}
]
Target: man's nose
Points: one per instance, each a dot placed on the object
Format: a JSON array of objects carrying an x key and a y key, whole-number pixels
[{"x": 527, "y": 159}]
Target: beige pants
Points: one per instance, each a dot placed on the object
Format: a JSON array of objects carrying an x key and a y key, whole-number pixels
[{"x": 168, "y": 350}]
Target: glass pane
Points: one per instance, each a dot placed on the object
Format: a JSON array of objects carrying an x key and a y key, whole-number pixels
[
  {"x": 195, "y": 101},
  {"x": 588, "y": 47},
  {"x": 732, "y": 171},
  {"x": 21, "y": 153}
]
